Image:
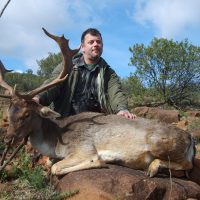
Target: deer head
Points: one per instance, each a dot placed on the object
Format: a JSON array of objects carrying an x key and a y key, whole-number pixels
[{"x": 23, "y": 109}]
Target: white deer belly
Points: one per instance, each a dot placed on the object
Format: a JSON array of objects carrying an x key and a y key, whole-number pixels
[{"x": 135, "y": 160}]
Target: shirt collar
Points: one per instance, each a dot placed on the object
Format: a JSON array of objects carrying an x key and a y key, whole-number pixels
[{"x": 92, "y": 67}]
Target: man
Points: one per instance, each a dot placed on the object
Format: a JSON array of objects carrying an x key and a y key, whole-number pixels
[{"x": 91, "y": 86}]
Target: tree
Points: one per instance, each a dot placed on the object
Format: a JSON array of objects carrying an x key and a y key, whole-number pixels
[
  {"x": 24, "y": 81},
  {"x": 134, "y": 89},
  {"x": 2, "y": 11},
  {"x": 138, "y": 94},
  {"x": 47, "y": 65},
  {"x": 172, "y": 68}
]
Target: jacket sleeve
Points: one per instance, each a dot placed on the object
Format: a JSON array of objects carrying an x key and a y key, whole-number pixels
[
  {"x": 115, "y": 95},
  {"x": 51, "y": 95}
]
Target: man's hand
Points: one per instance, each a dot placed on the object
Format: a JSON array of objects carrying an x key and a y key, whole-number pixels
[
  {"x": 126, "y": 114},
  {"x": 36, "y": 99}
]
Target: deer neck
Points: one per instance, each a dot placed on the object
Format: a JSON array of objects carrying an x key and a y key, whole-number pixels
[{"x": 45, "y": 137}]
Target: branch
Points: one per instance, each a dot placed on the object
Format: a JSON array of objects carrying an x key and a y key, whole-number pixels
[
  {"x": 4, "y": 8},
  {"x": 5, "y": 152},
  {"x": 13, "y": 154}
]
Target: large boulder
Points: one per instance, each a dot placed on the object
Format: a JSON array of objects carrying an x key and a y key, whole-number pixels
[
  {"x": 167, "y": 116},
  {"x": 117, "y": 182},
  {"x": 193, "y": 113}
]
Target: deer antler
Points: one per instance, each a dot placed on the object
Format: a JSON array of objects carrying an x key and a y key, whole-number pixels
[
  {"x": 67, "y": 55},
  {"x": 3, "y": 70},
  {"x": 67, "y": 62}
]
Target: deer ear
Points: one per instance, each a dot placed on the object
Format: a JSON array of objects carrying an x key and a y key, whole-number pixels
[{"x": 48, "y": 113}]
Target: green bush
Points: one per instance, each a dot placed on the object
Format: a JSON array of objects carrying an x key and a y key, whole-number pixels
[
  {"x": 35, "y": 176},
  {"x": 30, "y": 183},
  {"x": 194, "y": 125},
  {"x": 21, "y": 170}
]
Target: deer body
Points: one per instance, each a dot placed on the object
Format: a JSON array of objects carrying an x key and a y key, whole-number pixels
[{"x": 89, "y": 140}]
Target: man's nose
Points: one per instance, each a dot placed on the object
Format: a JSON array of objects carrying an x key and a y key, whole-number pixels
[{"x": 96, "y": 43}]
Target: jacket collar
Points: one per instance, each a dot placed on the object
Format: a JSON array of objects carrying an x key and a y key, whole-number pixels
[{"x": 78, "y": 60}]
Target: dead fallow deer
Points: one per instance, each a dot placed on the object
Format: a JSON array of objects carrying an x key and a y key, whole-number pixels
[{"x": 90, "y": 140}]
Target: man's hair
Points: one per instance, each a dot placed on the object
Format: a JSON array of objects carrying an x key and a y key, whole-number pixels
[{"x": 91, "y": 31}]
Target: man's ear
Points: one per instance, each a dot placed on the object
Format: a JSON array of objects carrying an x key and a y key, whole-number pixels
[
  {"x": 82, "y": 48},
  {"x": 46, "y": 112}
]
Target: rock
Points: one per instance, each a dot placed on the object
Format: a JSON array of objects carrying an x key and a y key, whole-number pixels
[
  {"x": 145, "y": 189},
  {"x": 117, "y": 182},
  {"x": 141, "y": 111},
  {"x": 183, "y": 124},
  {"x": 164, "y": 188},
  {"x": 167, "y": 116},
  {"x": 193, "y": 113},
  {"x": 195, "y": 173},
  {"x": 196, "y": 133}
]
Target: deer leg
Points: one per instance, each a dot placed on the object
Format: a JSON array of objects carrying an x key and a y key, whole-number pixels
[
  {"x": 157, "y": 163},
  {"x": 65, "y": 166}
]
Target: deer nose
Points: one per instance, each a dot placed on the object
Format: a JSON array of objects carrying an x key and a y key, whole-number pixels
[
  {"x": 10, "y": 133},
  {"x": 8, "y": 139}
]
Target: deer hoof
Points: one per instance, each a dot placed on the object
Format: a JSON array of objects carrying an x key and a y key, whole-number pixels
[
  {"x": 153, "y": 168},
  {"x": 55, "y": 170}
]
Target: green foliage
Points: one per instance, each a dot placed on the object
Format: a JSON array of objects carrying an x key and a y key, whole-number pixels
[
  {"x": 2, "y": 145},
  {"x": 47, "y": 65},
  {"x": 183, "y": 114},
  {"x": 3, "y": 176},
  {"x": 28, "y": 81},
  {"x": 24, "y": 81},
  {"x": 134, "y": 89},
  {"x": 171, "y": 68},
  {"x": 132, "y": 85},
  {"x": 194, "y": 125},
  {"x": 138, "y": 94},
  {"x": 35, "y": 176},
  {"x": 30, "y": 183},
  {"x": 22, "y": 171},
  {"x": 195, "y": 99},
  {"x": 11, "y": 174},
  {"x": 21, "y": 190}
]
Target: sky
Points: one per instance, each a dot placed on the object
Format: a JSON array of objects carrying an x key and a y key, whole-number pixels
[{"x": 122, "y": 23}]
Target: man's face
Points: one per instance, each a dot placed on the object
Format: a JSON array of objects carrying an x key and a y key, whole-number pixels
[{"x": 92, "y": 48}]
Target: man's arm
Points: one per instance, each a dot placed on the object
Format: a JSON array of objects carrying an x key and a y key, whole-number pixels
[{"x": 117, "y": 98}]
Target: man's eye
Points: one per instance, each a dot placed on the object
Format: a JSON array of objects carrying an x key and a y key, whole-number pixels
[
  {"x": 98, "y": 41},
  {"x": 91, "y": 42}
]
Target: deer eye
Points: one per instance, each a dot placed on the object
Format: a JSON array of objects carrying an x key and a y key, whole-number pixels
[
  {"x": 14, "y": 109},
  {"x": 26, "y": 115}
]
